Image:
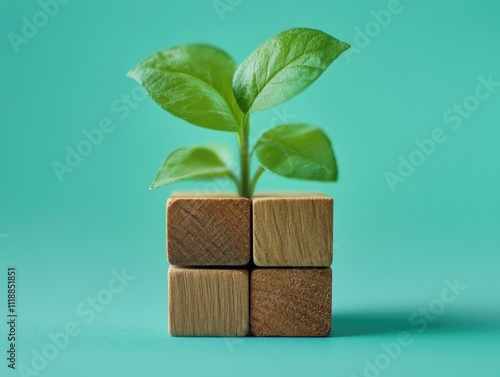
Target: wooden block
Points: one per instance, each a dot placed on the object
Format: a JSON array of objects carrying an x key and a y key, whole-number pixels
[
  {"x": 291, "y": 302},
  {"x": 208, "y": 230},
  {"x": 293, "y": 230},
  {"x": 208, "y": 302}
]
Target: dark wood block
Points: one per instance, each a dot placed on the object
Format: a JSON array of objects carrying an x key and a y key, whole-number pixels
[
  {"x": 208, "y": 230},
  {"x": 293, "y": 230},
  {"x": 291, "y": 302},
  {"x": 208, "y": 302}
]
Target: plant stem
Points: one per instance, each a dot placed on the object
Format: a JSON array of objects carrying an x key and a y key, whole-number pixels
[
  {"x": 255, "y": 179},
  {"x": 235, "y": 179},
  {"x": 243, "y": 136}
]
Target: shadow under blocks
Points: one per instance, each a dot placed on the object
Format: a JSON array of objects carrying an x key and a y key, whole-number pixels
[{"x": 257, "y": 266}]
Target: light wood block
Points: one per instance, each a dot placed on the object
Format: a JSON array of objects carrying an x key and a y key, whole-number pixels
[
  {"x": 293, "y": 230},
  {"x": 208, "y": 230},
  {"x": 209, "y": 302},
  {"x": 291, "y": 302}
]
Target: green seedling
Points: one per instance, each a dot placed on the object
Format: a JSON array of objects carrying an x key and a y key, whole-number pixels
[{"x": 203, "y": 85}]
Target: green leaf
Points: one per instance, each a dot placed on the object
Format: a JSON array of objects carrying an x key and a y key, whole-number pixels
[
  {"x": 193, "y": 83},
  {"x": 284, "y": 66},
  {"x": 297, "y": 151},
  {"x": 200, "y": 162}
]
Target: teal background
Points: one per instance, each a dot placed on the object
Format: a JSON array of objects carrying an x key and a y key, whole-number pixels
[{"x": 394, "y": 250}]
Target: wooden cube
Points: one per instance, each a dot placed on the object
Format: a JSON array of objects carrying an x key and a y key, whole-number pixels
[
  {"x": 208, "y": 302},
  {"x": 293, "y": 230},
  {"x": 208, "y": 230},
  {"x": 291, "y": 302}
]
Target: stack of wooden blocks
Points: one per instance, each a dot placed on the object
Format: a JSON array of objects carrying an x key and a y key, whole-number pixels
[{"x": 258, "y": 266}]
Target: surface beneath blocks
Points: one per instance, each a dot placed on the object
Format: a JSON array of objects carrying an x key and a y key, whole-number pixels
[
  {"x": 208, "y": 231},
  {"x": 208, "y": 302},
  {"x": 293, "y": 230},
  {"x": 290, "y": 302}
]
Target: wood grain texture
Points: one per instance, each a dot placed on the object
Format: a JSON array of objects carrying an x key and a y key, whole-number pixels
[
  {"x": 293, "y": 230},
  {"x": 208, "y": 302},
  {"x": 291, "y": 302},
  {"x": 208, "y": 230}
]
